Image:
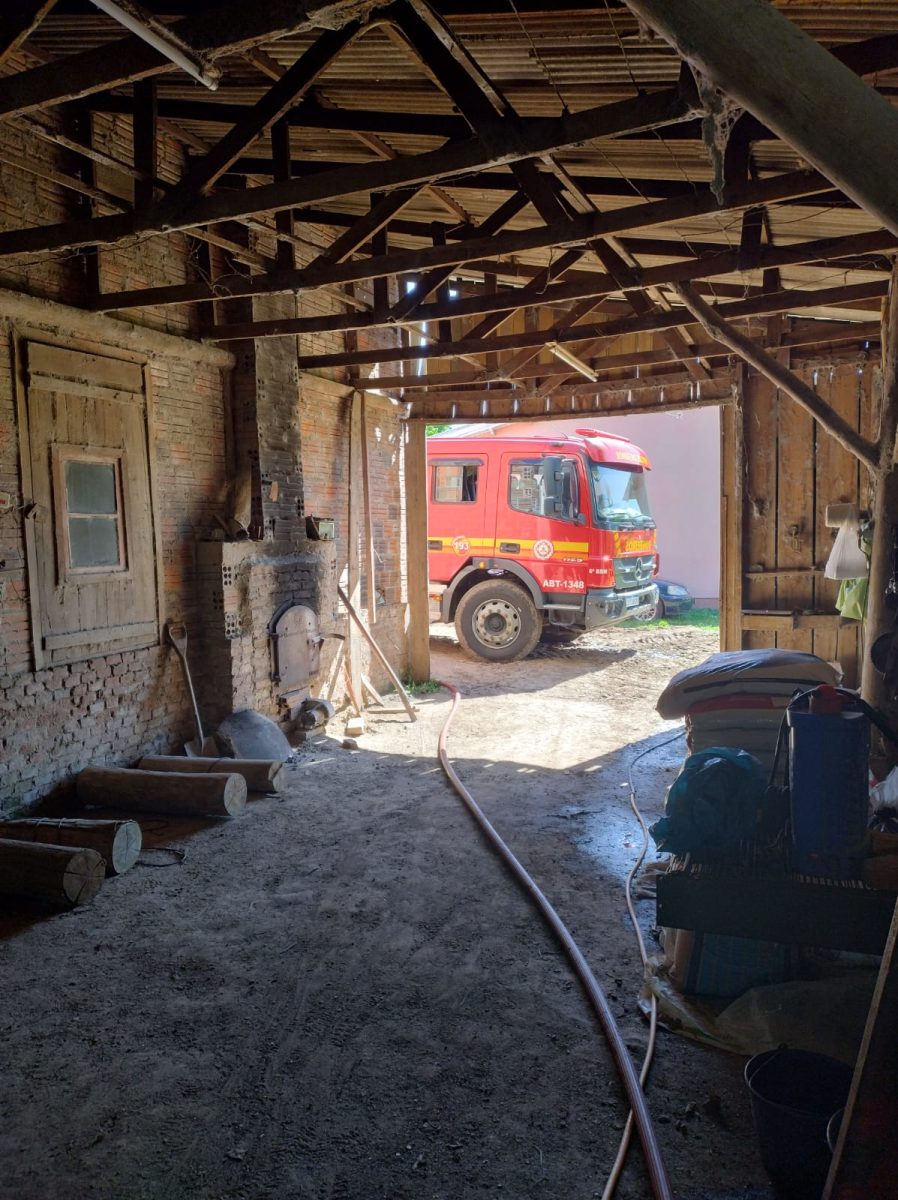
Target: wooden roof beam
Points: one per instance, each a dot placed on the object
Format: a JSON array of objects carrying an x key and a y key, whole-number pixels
[
  {"x": 18, "y": 21},
  {"x": 490, "y": 149},
  {"x": 754, "y": 54},
  {"x": 587, "y": 283},
  {"x": 813, "y": 334},
  {"x": 202, "y": 173},
  {"x": 718, "y": 327},
  {"x": 230, "y": 28},
  {"x": 785, "y": 302}
]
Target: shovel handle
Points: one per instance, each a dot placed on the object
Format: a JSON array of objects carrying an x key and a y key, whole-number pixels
[{"x": 177, "y": 636}]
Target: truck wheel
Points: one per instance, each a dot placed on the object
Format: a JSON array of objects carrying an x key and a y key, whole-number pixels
[{"x": 498, "y": 621}]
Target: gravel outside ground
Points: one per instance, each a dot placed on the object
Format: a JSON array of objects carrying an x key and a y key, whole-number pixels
[{"x": 344, "y": 996}]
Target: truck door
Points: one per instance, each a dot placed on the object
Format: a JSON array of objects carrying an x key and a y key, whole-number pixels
[
  {"x": 540, "y": 522},
  {"x": 459, "y": 513}
]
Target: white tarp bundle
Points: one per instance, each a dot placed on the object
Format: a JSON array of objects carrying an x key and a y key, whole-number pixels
[{"x": 733, "y": 672}]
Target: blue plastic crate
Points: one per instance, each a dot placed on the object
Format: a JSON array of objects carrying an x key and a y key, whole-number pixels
[{"x": 829, "y": 785}]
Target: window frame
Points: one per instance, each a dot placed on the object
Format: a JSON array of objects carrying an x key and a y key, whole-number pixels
[
  {"x": 63, "y": 453},
  {"x": 436, "y": 463},
  {"x": 574, "y": 461}
]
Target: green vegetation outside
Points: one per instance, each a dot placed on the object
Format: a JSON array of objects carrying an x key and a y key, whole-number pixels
[{"x": 697, "y": 618}]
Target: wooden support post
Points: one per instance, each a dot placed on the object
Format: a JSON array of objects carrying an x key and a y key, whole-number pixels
[
  {"x": 416, "y": 535},
  {"x": 732, "y": 466},
  {"x": 83, "y": 133},
  {"x": 145, "y": 143},
  {"x": 353, "y": 535},
  {"x": 378, "y": 653},
  {"x": 283, "y": 220},
  {"x": 380, "y": 246},
  {"x": 370, "y": 553}
]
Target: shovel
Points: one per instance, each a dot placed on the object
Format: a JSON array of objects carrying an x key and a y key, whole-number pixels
[{"x": 200, "y": 746}]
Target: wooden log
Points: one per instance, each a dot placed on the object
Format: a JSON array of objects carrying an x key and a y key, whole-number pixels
[
  {"x": 58, "y": 874},
  {"x": 261, "y": 774},
  {"x": 119, "y": 842},
  {"x": 177, "y": 793}
]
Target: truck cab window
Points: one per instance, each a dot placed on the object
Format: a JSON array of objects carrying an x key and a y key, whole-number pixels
[
  {"x": 455, "y": 483},
  {"x": 530, "y": 491}
]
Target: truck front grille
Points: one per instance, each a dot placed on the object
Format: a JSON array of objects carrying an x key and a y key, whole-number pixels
[{"x": 633, "y": 572}]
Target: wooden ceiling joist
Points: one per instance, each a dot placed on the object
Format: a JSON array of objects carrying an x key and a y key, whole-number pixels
[
  {"x": 565, "y": 233},
  {"x": 545, "y": 215},
  {"x": 791, "y": 301},
  {"x": 490, "y": 149}
]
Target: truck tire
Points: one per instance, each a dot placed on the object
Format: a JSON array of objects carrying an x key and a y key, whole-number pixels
[{"x": 498, "y": 621}]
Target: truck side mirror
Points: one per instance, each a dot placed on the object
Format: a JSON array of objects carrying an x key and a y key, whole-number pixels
[{"x": 551, "y": 471}]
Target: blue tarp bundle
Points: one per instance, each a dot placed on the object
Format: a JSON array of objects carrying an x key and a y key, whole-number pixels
[{"x": 713, "y": 803}]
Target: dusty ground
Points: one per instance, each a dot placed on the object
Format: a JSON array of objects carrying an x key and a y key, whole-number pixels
[{"x": 342, "y": 996}]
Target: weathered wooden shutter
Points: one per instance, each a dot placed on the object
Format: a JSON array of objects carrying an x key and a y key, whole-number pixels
[{"x": 89, "y": 410}]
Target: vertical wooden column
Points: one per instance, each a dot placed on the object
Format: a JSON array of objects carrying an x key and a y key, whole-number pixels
[
  {"x": 380, "y": 246},
  {"x": 145, "y": 144},
  {"x": 90, "y": 255},
  {"x": 732, "y": 469},
  {"x": 283, "y": 219},
  {"x": 416, "y": 533},
  {"x": 370, "y": 555},
  {"x": 353, "y": 580}
]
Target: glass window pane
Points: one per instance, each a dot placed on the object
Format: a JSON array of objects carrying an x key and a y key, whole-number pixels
[
  {"x": 90, "y": 487},
  {"x": 523, "y": 492},
  {"x": 93, "y": 541},
  {"x": 455, "y": 483}
]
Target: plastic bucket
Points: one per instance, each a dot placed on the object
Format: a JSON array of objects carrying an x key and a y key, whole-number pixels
[{"x": 794, "y": 1093}]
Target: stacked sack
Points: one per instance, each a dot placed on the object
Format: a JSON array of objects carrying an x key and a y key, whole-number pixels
[{"x": 738, "y": 698}]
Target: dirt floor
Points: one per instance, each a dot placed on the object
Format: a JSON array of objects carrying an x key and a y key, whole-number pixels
[{"x": 343, "y": 996}]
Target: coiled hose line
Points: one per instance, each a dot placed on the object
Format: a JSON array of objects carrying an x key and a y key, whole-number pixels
[{"x": 657, "y": 1172}]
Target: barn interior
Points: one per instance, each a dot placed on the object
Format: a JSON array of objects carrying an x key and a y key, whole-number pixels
[{"x": 248, "y": 253}]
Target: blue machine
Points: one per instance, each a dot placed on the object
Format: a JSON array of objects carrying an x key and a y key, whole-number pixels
[{"x": 829, "y": 787}]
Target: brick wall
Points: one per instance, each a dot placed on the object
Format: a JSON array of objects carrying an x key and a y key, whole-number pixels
[{"x": 113, "y": 708}]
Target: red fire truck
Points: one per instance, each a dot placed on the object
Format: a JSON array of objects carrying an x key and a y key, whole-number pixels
[{"x": 534, "y": 534}]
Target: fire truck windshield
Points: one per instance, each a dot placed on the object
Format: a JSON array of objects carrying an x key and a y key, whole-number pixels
[{"x": 621, "y": 498}]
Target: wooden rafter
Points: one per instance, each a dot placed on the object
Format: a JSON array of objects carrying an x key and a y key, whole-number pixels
[
  {"x": 592, "y": 286},
  {"x": 492, "y": 148},
  {"x": 718, "y": 327},
  {"x": 202, "y": 174},
  {"x": 233, "y": 28},
  {"x": 565, "y": 233},
  {"x": 790, "y": 301},
  {"x": 18, "y": 21}
]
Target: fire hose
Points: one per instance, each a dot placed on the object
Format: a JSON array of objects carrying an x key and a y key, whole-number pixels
[{"x": 642, "y": 1120}]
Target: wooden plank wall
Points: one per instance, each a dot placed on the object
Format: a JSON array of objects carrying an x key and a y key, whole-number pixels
[{"x": 774, "y": 593}]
